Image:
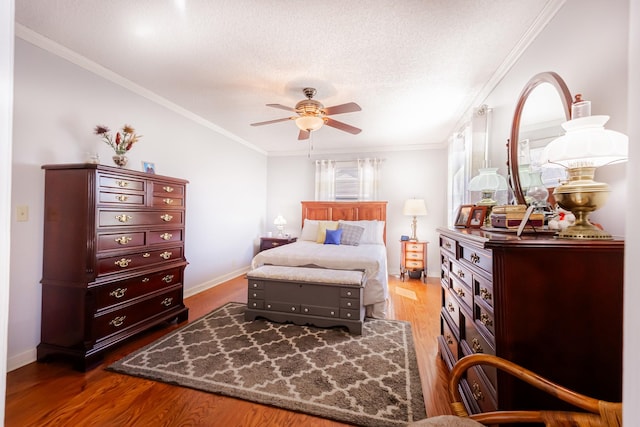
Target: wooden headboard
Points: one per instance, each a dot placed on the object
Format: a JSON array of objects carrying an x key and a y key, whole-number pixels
[{"x": 348, "y": 211}]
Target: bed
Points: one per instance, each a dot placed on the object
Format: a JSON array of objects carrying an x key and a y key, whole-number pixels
[{"x": 366, "y": 254}]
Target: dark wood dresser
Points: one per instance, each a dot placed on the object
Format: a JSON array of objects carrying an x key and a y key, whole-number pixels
[
  {"x": 113, "y": 257},
  {"x": 553, "y": 306}
]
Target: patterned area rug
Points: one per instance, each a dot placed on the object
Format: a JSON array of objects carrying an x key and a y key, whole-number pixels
[{"x": 369, "y": 380}]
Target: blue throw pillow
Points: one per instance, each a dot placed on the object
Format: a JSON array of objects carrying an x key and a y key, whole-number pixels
[{"x": 333, "y": 237}]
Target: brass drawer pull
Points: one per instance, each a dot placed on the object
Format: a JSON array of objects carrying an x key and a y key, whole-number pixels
[
  {"x": 486, "y": 320},
  {"x": 477, "y": 393},
  {"x": 475, "y": 345},
  {"x": 122, "y": 184},
  {"x": 118, "y": 321},
  {"x": 451, "y": 308},
  {"x": 166, "y": 236},
  {"x": 123, "y": 240},
  {"x": 123, "y": 217},
  {"x": 168, "y": 201},
  {"x": 167, "y": 302},
  {"x": 146, "y": 255},
  {"x": 168, "y": 189},
  {"x": 447, "y": 245},
  {"x": 118, "y": 293},
  {"x": 122, "y": 262},
  {"x": 449, "y": 339},
  {"x": 474, "y": 258},
  {"x": 460, "y": 292},
  {"x": 122, "y": 198},
  {"x": 485, "y": 294},
  {"x": 146, "y": 280},
  {"x": 168, "y": 278},
  {"x": 166, "y": 217},
  {"x": 165, "y": 255},
  {"x": 460, "y": 274}
]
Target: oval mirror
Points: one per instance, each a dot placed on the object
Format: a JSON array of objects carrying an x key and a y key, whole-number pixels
[{"x": 544, "y": 104}]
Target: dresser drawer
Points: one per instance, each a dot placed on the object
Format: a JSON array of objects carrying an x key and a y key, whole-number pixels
[
  {"x": 132, "y": 261},
  {"x": 124, "y": 218},
  {"x": 483, "y": 290},
  {"x": 255, "y": 284},
  {"x": 481, "y": 391},
  {"x": 320, "y": 311},
  {"x": 414, "y": 265},
  {"x": 477, "y": 257},
  {"x": 461, "y": 273},
  {"x": 350, "y": 292},
  {"x": 256, "y": 293},
  {"x": 256, "y": 304},
  {"x": 463, "y": 292},
  {"x": 451, "y": 308},
  {"x": 110, "y": 241},
  {"x": 451, "y": 340},
  {"x": 167, "y": 202},
  {"x": 120, "y": 198},
  {"x": 349, "y": 303},
  {"x": 115, "y": 321},
  {"x": 485, "y": 318},
  {"x": 121, "y": 183},
  {"x": 160, "y": 189},
  {"x": 164, "y": 236},
  {"x": 475, "y": 343},
  {"x": 414, "y": 247},
  {"x": 349, "y": 314},
  {"x": 448, "y": 245},
  {"x": 126, "y": 290}
]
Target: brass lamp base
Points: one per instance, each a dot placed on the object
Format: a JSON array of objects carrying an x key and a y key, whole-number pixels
[{"x": 582, "y": 195}]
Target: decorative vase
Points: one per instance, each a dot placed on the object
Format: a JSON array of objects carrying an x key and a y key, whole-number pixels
[{"x": 120, "y": 160}]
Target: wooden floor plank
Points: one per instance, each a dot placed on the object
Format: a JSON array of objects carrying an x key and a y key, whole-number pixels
[{"x": 48, "y": 394}]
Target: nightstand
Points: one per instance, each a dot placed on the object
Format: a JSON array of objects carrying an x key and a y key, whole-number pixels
[
  {"x": 272, "y": 242},
  {"x": 413, "y": 258}
]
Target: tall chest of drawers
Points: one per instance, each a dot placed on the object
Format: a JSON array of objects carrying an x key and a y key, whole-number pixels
[
  {"x": 553, "y": 306},
  {"x": 113, "y": 258}
]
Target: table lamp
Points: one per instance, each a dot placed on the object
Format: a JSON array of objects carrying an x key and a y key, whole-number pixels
[
  {"x": 414, "y": 208},
  {"x": 585, "y": 146},
  {"x": 487, "y": 182},
  {"x": 280, "y": 222}
]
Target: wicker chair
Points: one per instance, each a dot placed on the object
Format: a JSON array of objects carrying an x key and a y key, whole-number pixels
[{"x": 598, "y": 413}]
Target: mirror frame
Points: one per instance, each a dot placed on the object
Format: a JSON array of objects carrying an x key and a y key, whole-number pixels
[{"x": 565, "y": 96}]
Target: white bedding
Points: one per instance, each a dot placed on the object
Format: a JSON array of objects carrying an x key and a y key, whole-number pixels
[{"x": 368, "y": 257}]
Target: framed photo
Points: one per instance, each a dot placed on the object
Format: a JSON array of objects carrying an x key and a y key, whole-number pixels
[
  {"x": 148, "y": 167},
  {"x": 478, "y": 214},
  {"x": 464, "y": 213}
]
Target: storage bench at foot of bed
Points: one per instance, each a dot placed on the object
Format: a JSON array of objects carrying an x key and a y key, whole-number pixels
[{"x": 307, "y": 296}]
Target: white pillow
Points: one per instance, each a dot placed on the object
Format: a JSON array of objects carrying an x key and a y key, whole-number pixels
[
  {"x": 309, "y": 230},
  {"x": 373, "y": 231}
]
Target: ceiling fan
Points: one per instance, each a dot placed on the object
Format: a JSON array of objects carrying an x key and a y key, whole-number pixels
[{"x": 312, "y": 115}]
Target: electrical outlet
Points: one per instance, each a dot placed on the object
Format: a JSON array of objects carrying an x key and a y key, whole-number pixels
[{"x": 22, "y": 213}]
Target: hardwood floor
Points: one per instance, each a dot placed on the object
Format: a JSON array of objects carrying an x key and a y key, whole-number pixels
[{"x": 48, "y": 394}]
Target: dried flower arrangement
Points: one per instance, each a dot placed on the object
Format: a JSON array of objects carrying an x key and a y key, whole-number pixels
[{"x": 123, "y": 140}]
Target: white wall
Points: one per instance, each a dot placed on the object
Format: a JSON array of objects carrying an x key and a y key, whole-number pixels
[
  {"x": 57, "y": 105},
  {"x": 405, "y": 174},
  {"x": 6, "y": 111},
  {"x": 586, "y": 44},
  {"x": 631, "y": 382}
]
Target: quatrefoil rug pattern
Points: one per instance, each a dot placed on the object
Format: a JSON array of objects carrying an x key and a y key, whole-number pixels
[{"x": 371, "y": 379}]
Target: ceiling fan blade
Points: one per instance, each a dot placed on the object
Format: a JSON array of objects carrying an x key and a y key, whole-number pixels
[
  {"x": 342, "y": 126},
  {"x": 349, "y": 107},
  {"x": 304, "y": 134},
  {"x": 268, "y": 122},
  {"x": 282, "y": 107}
]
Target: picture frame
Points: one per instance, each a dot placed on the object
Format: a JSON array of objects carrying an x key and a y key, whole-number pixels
[
  {"x": 477, "y": 217},
  {"x": 148, "y": 167},
  {"x": 463, "y": 215}
]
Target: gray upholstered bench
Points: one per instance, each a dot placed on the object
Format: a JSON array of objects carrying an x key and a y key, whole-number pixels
[{"x": 307, "y": 296}]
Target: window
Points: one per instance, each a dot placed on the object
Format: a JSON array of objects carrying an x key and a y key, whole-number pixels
[{"x": 347, "y": 180}]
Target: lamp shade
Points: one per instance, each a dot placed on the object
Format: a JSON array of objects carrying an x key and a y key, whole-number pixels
[
  {"x": 309, "y": 122},
  {"x": 488, "y": 179},
  {"x": 414, "y": 207},
  {"x": 279, "y": 220},
  {"x": 587, "y": 143}
]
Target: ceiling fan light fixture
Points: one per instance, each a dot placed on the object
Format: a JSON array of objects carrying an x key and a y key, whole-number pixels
[{"x": 309, "y": 123}]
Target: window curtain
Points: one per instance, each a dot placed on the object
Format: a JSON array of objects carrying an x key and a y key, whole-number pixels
[
  {"x": 369, "y": 174},
  {"x": 325, "y": 180}
]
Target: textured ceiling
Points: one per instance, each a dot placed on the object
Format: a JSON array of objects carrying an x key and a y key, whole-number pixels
[{"x": 416, "y": 67}]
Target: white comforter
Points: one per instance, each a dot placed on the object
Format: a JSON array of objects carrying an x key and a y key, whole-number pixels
[{"x": 370, "y": 258}]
